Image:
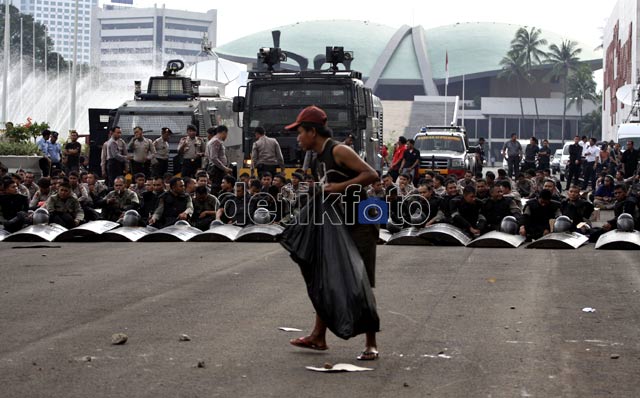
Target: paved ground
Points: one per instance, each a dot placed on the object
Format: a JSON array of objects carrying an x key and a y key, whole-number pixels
[{"x": 511, "y": 322}]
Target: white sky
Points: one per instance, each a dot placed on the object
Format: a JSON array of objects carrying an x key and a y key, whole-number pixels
[{"x": 575, "y": 19}]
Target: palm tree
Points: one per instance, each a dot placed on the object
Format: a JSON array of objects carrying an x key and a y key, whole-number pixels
[
  {"x": 513, "y": 67},
  {"x": 564, "y": 60},
  {"x": 592, "y": 123},
  {"x": 581, "y": 87},
  {"x": 529, "y": 43}
]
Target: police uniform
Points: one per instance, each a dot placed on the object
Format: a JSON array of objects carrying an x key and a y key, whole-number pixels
[
  {"x": 495, "y": 210},
  {"x": 64, "y": 212},
  {"x": 191, "y": 158},
  {"x": 535, "y": 217},
  {"x": 209, "y": 204},
  {"x": 161, "y": 162},
  {"x": 127, "y": 200},
  {"x": 13, "y": 211},
  {"x": 143, "y": 150},
  {"x": 170, "y": 206}
]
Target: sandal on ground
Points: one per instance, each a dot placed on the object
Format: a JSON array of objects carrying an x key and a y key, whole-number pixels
[
  {"x": 368, "y": 355},
  {"x": 305, "y": 342}
]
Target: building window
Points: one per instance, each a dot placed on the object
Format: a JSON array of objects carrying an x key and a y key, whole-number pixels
[
  {"x": 482, "y": 128},
  {"x": 497, "y": 128},
  {"x": 555, "y": 129},
  {"x": 542, "y": 128},
  {"x": 470, "y": 126},
  {"x": 513, "y": 126}
]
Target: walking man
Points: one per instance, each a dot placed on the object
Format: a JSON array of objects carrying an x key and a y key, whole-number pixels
[
  {"x": 349, "y": 170},
  {"x": 513, "y": 151},
  {"x": 143, "y": 151},
  {"x": 217, "y": 156},
  {"x": 116, "y": 156},
  {"x": 266, "y": 154},
  {"x": 191, "y": 148}
]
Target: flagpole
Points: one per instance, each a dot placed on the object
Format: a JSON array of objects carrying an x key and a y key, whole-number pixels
[
  {"x": 463, "y": 99},
  {"x": 446, "y": 84}
]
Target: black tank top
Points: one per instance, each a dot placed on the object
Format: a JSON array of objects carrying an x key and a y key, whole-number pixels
[{"x": 332, "y": 172}]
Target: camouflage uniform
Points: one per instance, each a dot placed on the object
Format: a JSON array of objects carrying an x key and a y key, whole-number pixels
[
  {"x": 127, "y": 200},
  {"x": 64, "y": 212}
]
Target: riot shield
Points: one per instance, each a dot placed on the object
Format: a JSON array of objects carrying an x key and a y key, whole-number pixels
[
  {"x": 172, "y": 233},
  {"x": 384, "y": 236},
  {"x": 37, "y": 233},
  {"x": 619, "y": 240},
  {"x": 260, "y": 233},
  {"x": 127, "y": 234},
  {"x": 559, "y": 240},
  {"x": 497, "y": 240},
  {"x": 90, "y": 231},
  {"x": 444, "y": 235},
  {"x": 218, "y": 233},
  {"x": 408, "y": 237},
  {"x": 4, "y": 234}
]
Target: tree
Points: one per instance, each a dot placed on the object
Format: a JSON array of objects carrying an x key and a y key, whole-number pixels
[
  {"x": 581, "y": 87},
  {"x": 563, "y": 60},
  {"x": 529, "y": 43},
  {"x": 591, "y": 124},
  {"x": 513, "y": 68},
  {"x": 27, "y": 39}
]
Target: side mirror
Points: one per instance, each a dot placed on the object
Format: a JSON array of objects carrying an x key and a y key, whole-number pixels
[{"x": 238, "y": 104}]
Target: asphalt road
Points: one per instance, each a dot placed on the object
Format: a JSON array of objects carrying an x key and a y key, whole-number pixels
[{"x": 507, "y": 323}]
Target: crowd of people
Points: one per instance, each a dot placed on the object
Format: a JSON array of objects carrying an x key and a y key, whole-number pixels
[{"x": 206, "y": 191}]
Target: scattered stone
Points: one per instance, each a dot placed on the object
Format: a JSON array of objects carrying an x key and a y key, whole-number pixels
[
  {"x": 513, "y": 308},
  {"x": 615, "y": 356},
  {"x": 52, "y": 281},
  {"x": 44, "y": 255},
  {"x": 327, "y": 365},
  {"x": 405, "y": 385},
  {"x": 184, "y": 337},
  {"x": 200, "y": 364},
  {"x": 119, "y": 338},
  {"x": 87, "y": 358},
  {"x": 34, "y": 363},
  {"x": 454, "y": 297}
]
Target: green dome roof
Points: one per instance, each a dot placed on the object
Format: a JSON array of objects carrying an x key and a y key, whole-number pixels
[{"x": 473, "y": 48}]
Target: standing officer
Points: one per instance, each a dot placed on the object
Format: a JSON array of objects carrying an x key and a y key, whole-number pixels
[
  {"x": 143, "y": 151},
  {"x": 575, "y": 162},
  {"x": 513, "y": 151},
  {"x": 217, "y": 157},
  {"x": 161, "y": 158},
  {"x": 191, "y": 148},
  {"x": 266, "y": 154},
  {"x": 344, "y": 169},
  {"x": 116, "y": 156}
]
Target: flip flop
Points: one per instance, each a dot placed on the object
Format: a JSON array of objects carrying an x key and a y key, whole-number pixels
[
  {"x": 304, "y": 342},
  {"x": 368, "y": 356}
]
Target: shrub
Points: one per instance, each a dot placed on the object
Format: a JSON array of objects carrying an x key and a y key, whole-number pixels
[{"x": 18, "y": 148}]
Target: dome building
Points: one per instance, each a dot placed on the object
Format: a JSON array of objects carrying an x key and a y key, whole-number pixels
[{"x": 406, "y": 68}]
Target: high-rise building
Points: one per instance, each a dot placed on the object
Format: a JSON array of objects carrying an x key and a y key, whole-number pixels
[
  {"x": 122, "y": 39},
  {"x": 59, "y": 19}
]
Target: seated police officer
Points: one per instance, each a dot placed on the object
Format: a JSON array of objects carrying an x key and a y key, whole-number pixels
[
  {"x": 497, "y": 207},
  {"x": 173, "y": 205},
  {"x": 538, "y": 215},
  {"x": 64, "y": 208},
  {"x": 466, "y": 213}
]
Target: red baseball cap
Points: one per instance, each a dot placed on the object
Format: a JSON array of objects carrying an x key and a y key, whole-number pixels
[{"x": 310, "y": 114}]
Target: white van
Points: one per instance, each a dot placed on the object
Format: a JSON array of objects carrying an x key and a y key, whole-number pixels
[
  {"x": 629, "y": 131},
  {"x": 564, "y": 160}
]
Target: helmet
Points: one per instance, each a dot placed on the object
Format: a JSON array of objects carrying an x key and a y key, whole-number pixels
[
  {"x": 215, "y": 223},
  {"x": 392, "y": 227},
  {"x": 182, "y": 223},
  {"x": 562, "y": 224},
  {"x": 261, "y": 216},
  {"x": 41, "y": 216},
  {"x": 131, "y": 219},
  {"x": 509, "y": 225},
  {"x": 625, "y": 223}
]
